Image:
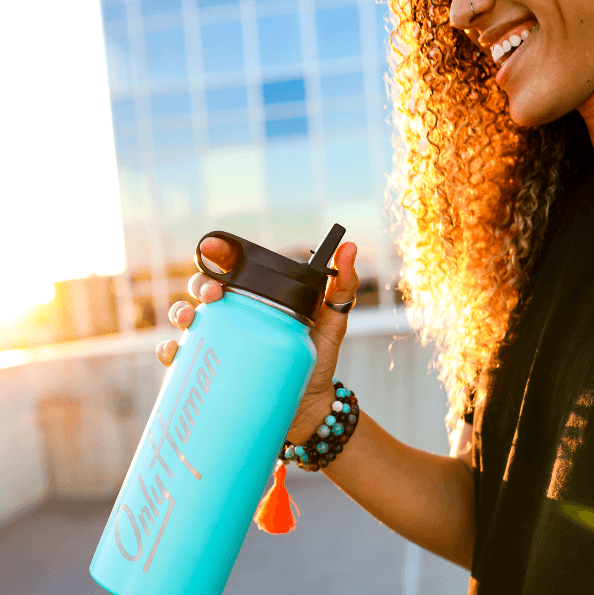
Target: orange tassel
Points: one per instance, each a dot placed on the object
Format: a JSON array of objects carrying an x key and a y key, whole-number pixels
[{"x": 274, "y": 514}]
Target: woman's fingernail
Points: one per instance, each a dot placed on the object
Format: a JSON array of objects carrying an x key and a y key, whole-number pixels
[
  {"x": 204, "y": 289},
  {"x": 181, "y": 316}
]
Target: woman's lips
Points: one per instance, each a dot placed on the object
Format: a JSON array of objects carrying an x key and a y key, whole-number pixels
[
  {"x": 502, "y": 49},
  {"x": 508, "y": 64}
]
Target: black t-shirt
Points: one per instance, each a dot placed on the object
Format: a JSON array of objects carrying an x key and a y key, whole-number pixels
[{"x": 533, "y": 446}]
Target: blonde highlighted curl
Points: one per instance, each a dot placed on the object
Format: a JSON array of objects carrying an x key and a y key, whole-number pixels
[{"x": 475, "y": 190}]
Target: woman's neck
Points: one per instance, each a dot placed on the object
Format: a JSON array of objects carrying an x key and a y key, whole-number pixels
[{"x": 587, "y": 112}]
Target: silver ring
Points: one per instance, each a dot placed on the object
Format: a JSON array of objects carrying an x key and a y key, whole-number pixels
[
  {"x": 471, "y": 8},
  {"x": 342, "y": 308}
]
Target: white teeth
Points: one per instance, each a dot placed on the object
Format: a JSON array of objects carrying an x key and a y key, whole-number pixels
[
  {"x": 497, "y": 52},
  {"x": 515, "y": 40}
]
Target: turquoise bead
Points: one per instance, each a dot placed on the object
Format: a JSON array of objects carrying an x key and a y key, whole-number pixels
[
  {"x": 323, "y": 431},
  {"x": 330, "y": 420},
  {"x": 299, "y": 451},
  {"x": 290, "y": 453},
  {"x": 322, "y": 447},
  {"x": 346, "y": 408},
  {"x": 341, "y": 392},
  {"x": 338, "y": 429},
  {"x": 304, "y": 458}
]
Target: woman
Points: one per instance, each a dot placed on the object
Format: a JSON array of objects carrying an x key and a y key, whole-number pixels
[{"x": 496, "y": 107}]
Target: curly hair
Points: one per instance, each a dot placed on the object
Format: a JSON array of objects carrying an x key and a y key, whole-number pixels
[{"x": 475, "y": 188}]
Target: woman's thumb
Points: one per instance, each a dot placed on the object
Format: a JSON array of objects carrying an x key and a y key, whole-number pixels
[{"x": 343, "y": 287}]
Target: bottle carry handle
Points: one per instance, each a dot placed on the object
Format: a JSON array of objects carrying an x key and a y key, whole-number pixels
[
  {"x": 254, "y": 262},
  {"x": 261, "y": 271},
  {"x": 236, "y": 241}
]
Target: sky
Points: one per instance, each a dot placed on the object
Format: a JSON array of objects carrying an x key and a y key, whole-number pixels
[{"x": 60, "y": 207}]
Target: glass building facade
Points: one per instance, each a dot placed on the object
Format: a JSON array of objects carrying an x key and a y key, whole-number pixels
[{"x": 264, "y": 118}]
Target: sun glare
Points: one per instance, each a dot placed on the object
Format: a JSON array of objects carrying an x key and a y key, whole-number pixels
[{"x": 61, "y": 216}]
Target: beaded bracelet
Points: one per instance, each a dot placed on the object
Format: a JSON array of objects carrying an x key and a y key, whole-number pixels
[
  {"x": 330, "y": 437},
  {"x": 274, "y": 514}
]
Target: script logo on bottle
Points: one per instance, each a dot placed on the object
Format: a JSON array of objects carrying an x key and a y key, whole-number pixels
[{"x": 189, "y": 410}]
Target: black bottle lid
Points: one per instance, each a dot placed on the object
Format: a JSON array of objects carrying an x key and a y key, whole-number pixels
[{"x": 297, "y": 286}]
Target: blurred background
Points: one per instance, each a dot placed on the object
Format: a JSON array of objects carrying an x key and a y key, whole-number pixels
[{"x": 132, "y": 128}]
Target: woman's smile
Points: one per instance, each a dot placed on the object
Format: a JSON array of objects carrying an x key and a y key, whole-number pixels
[{"x": 544, "y": 50}]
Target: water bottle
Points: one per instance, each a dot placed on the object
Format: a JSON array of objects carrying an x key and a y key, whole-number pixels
[{"x": 217, "y": 427}]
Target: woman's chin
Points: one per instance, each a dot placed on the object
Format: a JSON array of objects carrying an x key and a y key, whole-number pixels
[
  {"x": 528, "y": 119},
  {"x": 528, "y": 113}
]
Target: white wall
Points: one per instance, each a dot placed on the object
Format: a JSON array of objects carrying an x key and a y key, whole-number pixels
[{"x": 87, "y": 458}]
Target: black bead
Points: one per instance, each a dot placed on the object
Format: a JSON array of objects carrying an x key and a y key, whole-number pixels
[
  {"x": 309, "y": 445},
  {"x": 337, "y": 448},
  {"x": 338, "y": 385},
  {"x": 331, "y": 439},
  {"x": 330, "y": 456},
  {"x": 354, "y": 409},
  {"x": 342, "y": 416},
  {"x": 348, "y": 429},
  {"x": 323, "y": 462}
]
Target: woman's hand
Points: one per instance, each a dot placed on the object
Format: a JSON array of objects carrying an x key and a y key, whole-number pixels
[{"x": 327, "y": 335}]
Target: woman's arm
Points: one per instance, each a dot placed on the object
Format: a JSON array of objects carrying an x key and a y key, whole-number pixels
[{"x": 426, "y": 498}]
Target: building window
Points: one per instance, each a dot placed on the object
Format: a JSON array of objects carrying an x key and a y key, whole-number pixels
[
  {"x": 285, "y": 108},
  {"x": 226, "y": 99},
  {"x": 158, "y": 7},
  {"x": 212, "y": 3},
  {"x": 280, "y": 40},
  {"x": 123, "y": 110},
  {"x": 114, "y": 13},
  {"x": 338, "y": 33},
  {"x": 126, "y": 139},
  {"x": 222, "y": 49},
  {"x": 286, "y": 127},
  {"x": 171, "y": 140},
  {"x": 119, "y": 65},
  {"x": 228, "y": 116},
  {"x": 342, "y": 84},
  {"x": 283, "y": 91},
  {"x": 166, "y": 55},
  {"x": 165, "y": 106}
]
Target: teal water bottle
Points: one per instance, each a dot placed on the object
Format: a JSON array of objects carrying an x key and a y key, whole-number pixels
[{"x": 217, "y": 427}]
